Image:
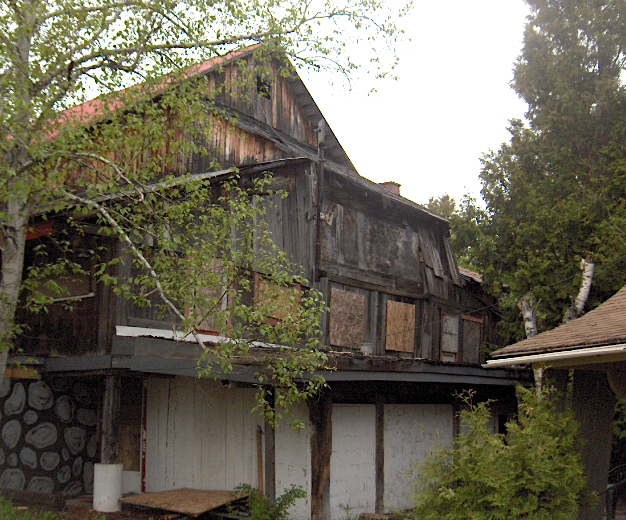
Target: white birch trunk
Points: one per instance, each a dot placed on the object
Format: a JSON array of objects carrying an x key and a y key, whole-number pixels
[
  {"x": 576, "y": 309},
  {"x": 16, "y": 207},
  {"x": 528, "y": 307}
]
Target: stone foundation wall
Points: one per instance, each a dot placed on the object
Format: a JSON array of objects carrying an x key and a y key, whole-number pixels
[{"x": 49, "y": 434}]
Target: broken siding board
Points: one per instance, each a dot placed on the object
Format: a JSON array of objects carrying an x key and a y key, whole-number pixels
[
  {"x": 426, "y": 328},
  {"x": 454, "y": 269},
  {"x": 347, "y": 318},
  {"x": 430, "y": 251},
  {"x": 436, "y": 253},
  {"x": 426, "y": 248},
  {"x": 400, "y": 327}
]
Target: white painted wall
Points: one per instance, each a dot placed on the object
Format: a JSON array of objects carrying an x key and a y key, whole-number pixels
[
  {"x": 131, "y": 482},
  {"x": 293, "y": 461},
  {"x": 199, "y": 434},
  {"x": 411, "y": 431},
  {"x": 352, "y": 460}
]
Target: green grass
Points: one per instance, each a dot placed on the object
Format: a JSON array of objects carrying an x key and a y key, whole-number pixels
[{"x": 9, "y": 512}]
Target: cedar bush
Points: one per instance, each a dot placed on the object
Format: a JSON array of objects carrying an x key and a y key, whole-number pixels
[{"x": 533, "y": 472}]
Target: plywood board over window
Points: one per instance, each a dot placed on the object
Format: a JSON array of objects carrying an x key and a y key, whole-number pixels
[
  {"x": 347, "y": 318},
  {"x": 212, "y": 297},
  {"x": 400, "y": 329},
  {"x": 472, "y": 338},
  {"x": 449, "y": 337},
  {"x": 277, "y": 300}
]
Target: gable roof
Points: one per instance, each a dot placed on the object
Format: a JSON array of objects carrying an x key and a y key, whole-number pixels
[
  {"x": 94, "y": 109},
  {"x": 603, "y": 326}
]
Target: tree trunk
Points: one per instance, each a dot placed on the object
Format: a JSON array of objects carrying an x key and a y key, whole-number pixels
[
  {"x": 529, "y": 312},
  {"x": 13, "y": 246},
  {"x": 16, "y": 207},
  {"x": 576, "y": 309}
]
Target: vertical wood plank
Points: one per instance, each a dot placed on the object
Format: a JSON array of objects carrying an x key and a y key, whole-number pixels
[
  {"x": 110, "y": 419},
  {"x": 380, "y": 454},
  {"x": 270, "y": 456},
  {"x": 320, "y": 415}
]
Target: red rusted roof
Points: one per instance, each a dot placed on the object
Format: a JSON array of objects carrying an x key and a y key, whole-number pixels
[
  {"x": 477, "y": 277},
  {"x": 604, "y": 325},
  {"x": 94, "y": 109}
]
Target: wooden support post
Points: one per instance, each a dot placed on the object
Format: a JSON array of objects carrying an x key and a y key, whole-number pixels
[
  {"x": 259, "y": 457},
  {"x": 380, "y": 454},
  {"x": 110, "y": 419},
  {"x": 270, "y": 456},
  {"x": 320, "y": 415}
]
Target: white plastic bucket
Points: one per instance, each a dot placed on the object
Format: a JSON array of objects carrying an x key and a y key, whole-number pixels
[{"x": 107, "y": 487}]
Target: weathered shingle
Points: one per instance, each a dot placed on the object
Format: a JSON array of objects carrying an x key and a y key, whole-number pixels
[{"x": 605, "y": 325}]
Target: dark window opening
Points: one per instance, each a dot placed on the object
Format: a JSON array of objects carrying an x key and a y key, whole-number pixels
[{"x": 263, "y": 88}]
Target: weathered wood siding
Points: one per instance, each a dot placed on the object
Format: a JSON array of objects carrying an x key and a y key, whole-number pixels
[
  {"x": 374, "y": 239},
  {"x": 199, "y": 434},
  {"x": 83, "y": 326},
  {"x": 282, "y": 110},
  {"x": 290, "y": 219}
]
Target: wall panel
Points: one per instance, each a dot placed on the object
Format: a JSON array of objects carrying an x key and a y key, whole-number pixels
[
  {"x": 411, "y": 431},
  {"x": 352, "y": 462}
]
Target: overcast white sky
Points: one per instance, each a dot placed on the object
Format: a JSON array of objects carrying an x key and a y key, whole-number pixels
[{"x": 451, "y": 103}]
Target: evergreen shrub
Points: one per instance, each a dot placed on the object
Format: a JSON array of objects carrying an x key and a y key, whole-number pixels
[{"x": 532, "y": 472}]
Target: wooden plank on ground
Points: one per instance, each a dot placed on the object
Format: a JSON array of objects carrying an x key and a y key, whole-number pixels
[{"x": 192, "y": 502}]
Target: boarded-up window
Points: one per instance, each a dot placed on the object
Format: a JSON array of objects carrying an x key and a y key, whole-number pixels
[
  {"x": 347, "y": 318},
  {"x": 400, "y": 329},
  {"x": 449, "y": 337},
  {"x": 276, "y": 301},
  {"x": 472, "y": 332},
  {"x": 211, "y": 299}
]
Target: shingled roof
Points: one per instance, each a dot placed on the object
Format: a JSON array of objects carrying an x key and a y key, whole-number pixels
[{"x": 605, "y": 325}]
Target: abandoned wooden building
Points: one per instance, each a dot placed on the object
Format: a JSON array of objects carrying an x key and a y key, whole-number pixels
[{"x": 404, "y": 330}]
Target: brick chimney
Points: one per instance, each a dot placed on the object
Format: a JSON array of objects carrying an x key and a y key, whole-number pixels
[{"x": 391, "y": 186}]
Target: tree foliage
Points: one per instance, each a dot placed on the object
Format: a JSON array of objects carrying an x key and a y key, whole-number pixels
[
  {"x": 533, "y": 471},
  {"x": 465, "y": 219},
  {"x": 554, "y": 194},
  {"x": 193, "y": 242}
]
